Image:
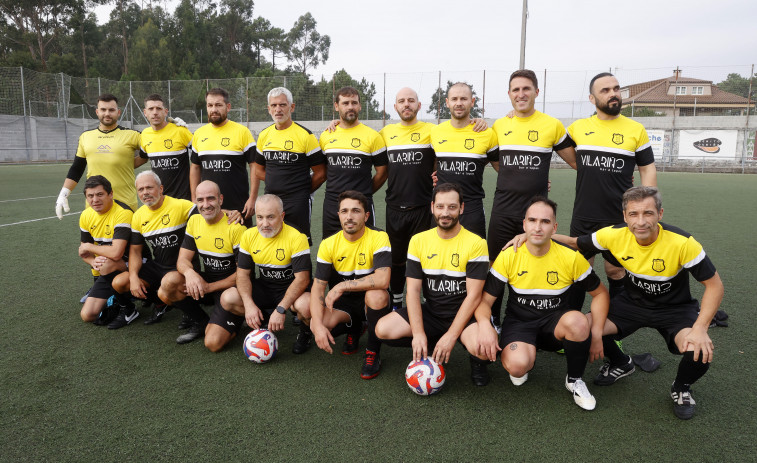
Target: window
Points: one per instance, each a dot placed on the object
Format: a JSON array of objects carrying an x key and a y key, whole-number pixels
[
  {"x": 624, "y": 93},
  {"x": 680, "y": 90},
  {"x": 697, "y": 90}
]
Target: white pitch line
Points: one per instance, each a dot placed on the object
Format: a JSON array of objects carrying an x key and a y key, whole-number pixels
[
  {"x": 36, "y": 220},
  {"x": 38, "y": 197}
]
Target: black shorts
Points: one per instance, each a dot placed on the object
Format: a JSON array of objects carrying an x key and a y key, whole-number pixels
[
  {"x": 402, "y": 224},
  {"x": 153, "y": 273},
  {"x": 539, "y": 332},
  {"x": 103, "y": 286},
  {"x": 501, "y": 230},
  {"x": 668, "y": 321},
  {"x": 354, "y": 310},
  {"x": 473, "y": 217},
  {"x": 581, "y": 227},
  {"x": 434, "y": 327},
  {"x": 297, "y": 213},
  {"x": 331, "y": 222}
]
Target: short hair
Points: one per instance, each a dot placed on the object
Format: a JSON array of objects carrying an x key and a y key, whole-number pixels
[
  {"x": 219, "y": 92},
  {"x": 544, "y": 200},
  {"x": 107, "y": 97},
  {"x": 640, "y": 193},
  {"x": 346, "y": 91},
  {"x": 277, "y": 91},
  {"x": 266, "y": 198},
  {"x": 598, "y": 76},
  {"x": 148, "y": 173},
  {"x": 98, "y": 180},
  {"x": 445, "y": 188},
  {"x": 527, "y": 73},
  {"x": 356, "y": 195},
  {"x": 154, "y": 97},
  {"x": 461, "y": 84}
]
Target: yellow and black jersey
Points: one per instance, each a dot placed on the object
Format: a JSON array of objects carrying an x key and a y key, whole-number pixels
[
  {"x": 277, "y": 259},
  {"x": 539, "y": 285},
  {"x": 340, "y": 259},
  {"x": 216, "y": 244},
  {"x": 658, "y": 273},
  {"x": 102, "y": 229},
  {"x": 607, "y": 151},
  {"x": 162, "y": 230},
  {"x": 223, "y": 154},
  {"x": 168, "y": 152},
  {"x": 443, "y": 265},
  {"x": 350, "y": 155},
  {"x": 525, "y": 153},
  {"x": 111, "y": 154},
  {"x": 287, "y": 156},
  {"x": 462, "y": 155},
  {"x": 411, "y": 163}
]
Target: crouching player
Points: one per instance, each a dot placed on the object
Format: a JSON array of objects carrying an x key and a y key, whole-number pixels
[{"x": 537, "y": 315}]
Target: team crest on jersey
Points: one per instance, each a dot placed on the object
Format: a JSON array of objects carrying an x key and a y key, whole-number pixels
[
  {"x": 165, "y": 220},
  {"x": 168, "y": 143},
  {"x": 225, "y": 141},
  {"x": 658, "y": 265},
  {"x": 455, "y": 260},
  {"x": 469, "y": 143},
  {"x": 361, "y": 259},
  {"x": 355, "y": 142},
  {"x": 552, "y": 278},
  {"x": 280, "y": 254},
  {"x": 108, "y": 231},
  {"x": 289, "y": 144},
  {"x": 415, "y": 136},
  {"x": 617, "y": 138},
  {"x": 533, "y": 135},
  {"x": 219, "y": 243}
]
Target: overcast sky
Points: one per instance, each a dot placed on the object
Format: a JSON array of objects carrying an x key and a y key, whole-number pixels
[{"x": 411, "y": 41}]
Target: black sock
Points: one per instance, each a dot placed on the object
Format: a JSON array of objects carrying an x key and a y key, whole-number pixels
[
  {"x": 373, "y": 316},
  {"x": 124, "y": 300},
  {"x": 612, "y": 351},
  {"x": 193, "y": 310},
  {"x": 304, "y": 328},
  {"x": 340, "y": 329},
  {"x": 576, "y": 356},
  {"x": 689, "y": 371},
  {"x": 397, "y": 284},
  {"x": 616, "y": 286}
]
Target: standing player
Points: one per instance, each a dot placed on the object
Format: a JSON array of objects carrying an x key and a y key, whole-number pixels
[
  {"x": 221, "y": 152},
  {"x": 351, "y": 151},
  {"x": 448, "y": 264},
  {"x": 462, "y": 155},
  {"x": 167, "y": 146},
  {"x": 109, "y": 150},
  {"x": 105, "y": 229},
  {"x": 539, "y": 315},
  {"x": 210, "y": 235},
  {"x": 609, "y": 146},
  {"x": 355, "y": 264},
  {"x": 281, "y": 255},
  {"x": 286, "y": 152}
]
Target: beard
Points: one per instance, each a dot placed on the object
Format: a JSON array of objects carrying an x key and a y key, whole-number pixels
[
  {"x": 269, "y": 233},
  {"x": 217, "y": 118},
  {"x": 453, "y": 221},
  {"x": 611, "y": 110}
]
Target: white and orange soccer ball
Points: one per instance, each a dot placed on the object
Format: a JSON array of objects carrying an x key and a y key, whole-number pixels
[
  {"x": 260, "y": 346},
  {"x": 425, "y": 377}
]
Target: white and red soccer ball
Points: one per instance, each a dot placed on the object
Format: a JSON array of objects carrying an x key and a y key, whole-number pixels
[
  {"x": 260, "y": 346},
  {"x": 425, "y": 377}
]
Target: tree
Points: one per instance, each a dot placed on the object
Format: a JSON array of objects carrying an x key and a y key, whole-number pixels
[
  {"x": 150, "y": 54},
  {"x": 439, "y": 107},
  {"x": 639, "y": 111},
  {"x": 307, "y": 48},
  {"x": 738, "y": 85}
]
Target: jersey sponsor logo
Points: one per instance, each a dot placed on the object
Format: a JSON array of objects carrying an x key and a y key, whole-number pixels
[
  {"x": 281, "y": 156},
  {"x": 268, "y": 143},
  {"x": 219, "y": 243},
  {"x": 588, "y": 133},
  {"x": 148, "y": 143},
  {"x": 507, "y": 133},
  {"x": 432, "y": 256},
  {"x": 145, "y": 223},
  {"x": 521, "y": 160},
  {"x": 341, "y": 258},
  {"x": 626, "y": 258},
  {"x": 540, "y": 304},
  {"x": 658, "y": 265},
  {"x": 289, "y": 144},
  {"x": 552, "y": 278},
  {"x": 520, "y": 274},
  {"x": 651, "y": 288},
  {"x": 166, "y": 219},
  {"x": 406, "y": 156},
  {"x": 603, "y": 162},
  {"x": 216, "y": 164},
  {"x": 276, "y": 274},
  {"x": 457, "y": 166},
  {"x": 215, "y": 263},
  {"x": 280, "y": 254},
  {"x": 331, "y": 141},
  {"x": 345, "y": 161},
  {"x": 449, "y": 287},
  {"x": 533, "y": 136},
  {"x": 355, "y": 143},
  {"x": 103, "y": 149},
  {"x": 455, "y": 261},
  {"x": 256, "y": 251},
  {"x": 164, "y": 162},
  {"x": 393, "y": 137},
  {"x": 441, "y": 142},
  {"x": 361, "y": 258},
  {"x": 204, "y": 139},
  {"x": 168, "y": 143},
  {"x": 617, "y": 138},
  {"x": 225, "y": 141},
  {"x": 165, "y": 241},
  {"x": 469, "y": 143},
  {"x": 415, "y": 136}
]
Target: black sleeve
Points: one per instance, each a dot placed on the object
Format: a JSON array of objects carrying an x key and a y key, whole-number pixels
[{"x": 77, "y": 169}]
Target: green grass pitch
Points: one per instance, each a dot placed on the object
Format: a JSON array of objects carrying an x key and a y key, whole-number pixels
[{"x": 70, "y": 391}]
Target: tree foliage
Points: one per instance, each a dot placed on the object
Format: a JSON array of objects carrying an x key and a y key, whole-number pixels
[
  {"x": 307, "y": 48},
  {"x": 738, "y": 85}
]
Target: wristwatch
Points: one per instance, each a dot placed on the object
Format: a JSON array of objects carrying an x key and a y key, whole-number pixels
[{"x": 280, "y": 309}]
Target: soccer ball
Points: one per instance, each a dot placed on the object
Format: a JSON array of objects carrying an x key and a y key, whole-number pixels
[
  {"x": 260, "y": 346},
  {"x": 425, "y": 377}
]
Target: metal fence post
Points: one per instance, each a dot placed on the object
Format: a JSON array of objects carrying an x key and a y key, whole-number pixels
[
  {"x": 383, "y": 109},
  {"x": 169, "y": 97},
  {"x": 483, "y": 98},
  {"x": 65, "y": 114},
  {"x": 543, "y": 94},
  {"x": 439, "y": 99},
  {"x": 23, "y": 94}
]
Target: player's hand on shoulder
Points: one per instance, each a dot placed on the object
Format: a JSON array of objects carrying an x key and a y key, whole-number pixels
[
  {"x": 511, "y": 114},
  {"x": 177, "y": 121},
  {"x": 234, "y": 216},
  {"x": 332, "y": 126},
  {"x": 479, "y": 124},
  {"x": 516, "y": 242}
]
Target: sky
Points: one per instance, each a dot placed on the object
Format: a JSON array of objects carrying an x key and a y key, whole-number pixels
[{"x": 412, "y": 40}]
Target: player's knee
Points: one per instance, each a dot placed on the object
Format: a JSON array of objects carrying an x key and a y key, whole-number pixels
[
  {"x": 87, "y": 316},
  {"x": 383, "y": 329},
  {"x": 576, "y": 326},
  {"x": 121, "y": 283},
  {"x": 376, "y": 299},
  {"x": 230, "y": 299},
  {"x": 516, "y": 365},
  {"x": 214, "y": 342},
  {"x": 301, "y": 308}
]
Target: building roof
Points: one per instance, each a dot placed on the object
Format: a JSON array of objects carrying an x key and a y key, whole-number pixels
[{"x": 656, "y": 91}]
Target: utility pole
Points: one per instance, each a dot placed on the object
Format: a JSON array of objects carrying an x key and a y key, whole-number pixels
[{"x": 523, "y": 35}]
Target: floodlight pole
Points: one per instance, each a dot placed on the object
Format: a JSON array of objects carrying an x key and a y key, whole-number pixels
[{"x": 523, "y": 35}]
